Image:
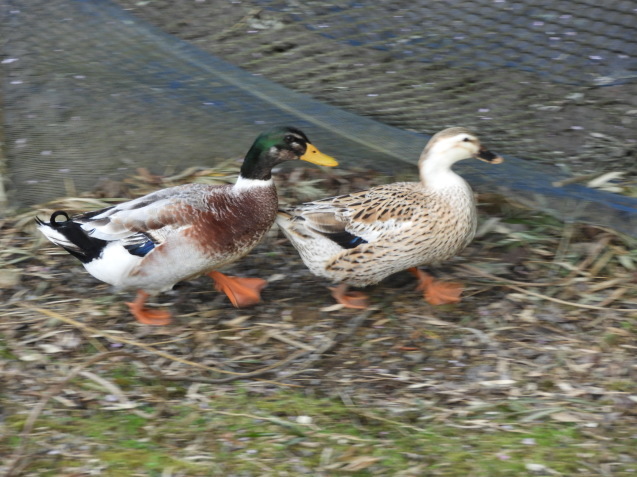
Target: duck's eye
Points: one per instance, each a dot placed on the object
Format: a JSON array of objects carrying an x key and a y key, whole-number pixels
[
  {"x": 289, "y": 139},
  {"x": 466, "y": 139}
]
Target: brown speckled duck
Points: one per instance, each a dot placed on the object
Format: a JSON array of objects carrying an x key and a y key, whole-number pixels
[
  {"x": 359, "y": 239},
  {"x": 153, "y": 242}
]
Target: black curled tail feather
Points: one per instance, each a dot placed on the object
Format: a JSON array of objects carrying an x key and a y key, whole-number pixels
[
  {"x": 72, "y": 237},
  {"x": 52, "y": 222},
  {"x": 56, "y": 214}
]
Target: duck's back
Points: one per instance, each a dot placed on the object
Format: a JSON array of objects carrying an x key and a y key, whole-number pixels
[
  {"x": 392, "y": 228},
  {"x": 219, "y": 230}
]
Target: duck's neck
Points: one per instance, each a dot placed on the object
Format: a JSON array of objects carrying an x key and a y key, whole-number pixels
[
  {"x": 258, "y": 164},
  {"x": 436, "y": 175},
  {"x": 244, "y": 183}
]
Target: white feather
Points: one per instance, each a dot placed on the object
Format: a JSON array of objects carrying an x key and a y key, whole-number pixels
[
  {"x": 243, "y": 184},
  {"x": 56, "y": 237},
  {"x": 114, "y": 265}
]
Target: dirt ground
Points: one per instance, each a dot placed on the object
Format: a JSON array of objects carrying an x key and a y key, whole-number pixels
[{"x": 546, "y": 329}]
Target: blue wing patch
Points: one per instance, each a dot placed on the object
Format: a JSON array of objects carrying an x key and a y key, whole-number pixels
[
  {"x": 345, "y": 239},
  {"x": 141, "y": 246}
]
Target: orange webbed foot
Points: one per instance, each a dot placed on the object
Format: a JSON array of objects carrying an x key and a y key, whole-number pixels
[
  {"x": 146, "y": 316},
  {"x": 435, "y": 291},
  {"x": 241, "y": 291},
  {"x": 353, "y": 299}
]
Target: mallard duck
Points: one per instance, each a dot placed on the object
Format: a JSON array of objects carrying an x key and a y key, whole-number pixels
[
  {"x": 153, "y": 242},
  {"x": 359, "y": 239}
]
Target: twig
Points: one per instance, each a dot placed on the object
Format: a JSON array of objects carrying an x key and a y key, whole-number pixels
[
  {"x": 570, "y": 303},
  {"x": 275, "y": 420},
  {"x": 565, "y": 241},
  {"x": 295, "y": 428},
  {"x": 286, "y": 339},
  {"x": 115, "y": 390},
  {"x": 236, "y": 376},
  {"x": 507, "y": 281},
  {"x": 574, "y": 179},
  {"x": 389, "y": 421}
]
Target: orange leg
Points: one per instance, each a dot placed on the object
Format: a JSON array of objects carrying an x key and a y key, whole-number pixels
[
  {"x": 146, "y": 316},
  {"x": 355, "y": 299},
  {"x": 241, "y": 291},
  {"x": 437, "y": 292}
]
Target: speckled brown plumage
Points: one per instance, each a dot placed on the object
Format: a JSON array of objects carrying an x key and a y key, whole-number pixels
[{"x": 363, "y": 237}]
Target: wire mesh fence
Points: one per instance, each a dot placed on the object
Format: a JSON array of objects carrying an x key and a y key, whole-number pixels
[
  {"x": 529, "y": 74},
  {"x": 91, "y": 92}
]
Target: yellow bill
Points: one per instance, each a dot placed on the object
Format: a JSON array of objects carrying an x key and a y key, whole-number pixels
[{"x": 313, "y": 155}]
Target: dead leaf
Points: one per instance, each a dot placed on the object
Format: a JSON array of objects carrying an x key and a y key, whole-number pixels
[
  {"x": 360, "y": 463},
  {"x": 334, "y": 307},
  {"x": 50, "y": 349},
  {"x": 9, "y": 278},
  {"x": 497, "y": 382},
  {"x": 565, "y": 416}
]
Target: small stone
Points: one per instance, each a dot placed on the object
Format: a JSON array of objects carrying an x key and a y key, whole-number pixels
[
  {"x": 539, "y": 469},
  {"x": 304, "y": 420}
]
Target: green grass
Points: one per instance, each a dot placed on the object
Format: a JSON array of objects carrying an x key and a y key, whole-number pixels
[
  {"x": 245, "y": 434},
  {"x": 5, "y": 353}
]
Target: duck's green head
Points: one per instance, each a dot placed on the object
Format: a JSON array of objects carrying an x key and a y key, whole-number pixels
[{"x": 278, "y": 145}]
